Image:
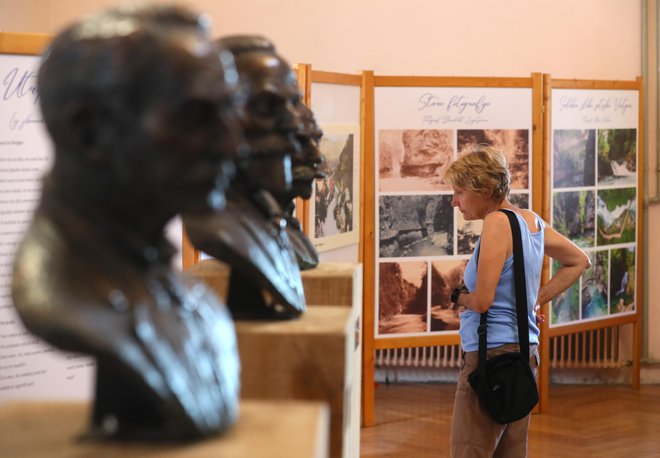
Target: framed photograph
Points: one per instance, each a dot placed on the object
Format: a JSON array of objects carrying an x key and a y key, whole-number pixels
[
  {"x": 573, "y": 157},
  {"x": 617, "y": 157},
  {"x": 617, "y": 215},
  {"x": 622, "y": 280},
  {"x": 413, "y": 160},
  {"x": 334, "y": 206},
  {"x": 573, "y": 215},
  {"x": 514, "y": 143},
  {"x": 594, "y": 284},
  {"x": 445, "y": 276},
  {"x": 403, "y": 292},
  {"x": 566, "y": 306},
  {"x": 413, "y": 226}
]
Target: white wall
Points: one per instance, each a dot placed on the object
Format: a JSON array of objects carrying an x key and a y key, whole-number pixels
[
  {"x": 589, "y": 39},
  {"x": 568, "y": 38}
]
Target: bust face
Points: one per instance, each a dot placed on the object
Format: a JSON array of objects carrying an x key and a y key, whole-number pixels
[
  {"x": 306, "y": 165},
  {"x": 270, "y": 119},
  {"x": 196, "y": 135},
  {"x": 159, "y": 129}
]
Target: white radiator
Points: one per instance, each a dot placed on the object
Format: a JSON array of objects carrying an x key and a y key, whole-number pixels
[{"x": 597, "y": 349}]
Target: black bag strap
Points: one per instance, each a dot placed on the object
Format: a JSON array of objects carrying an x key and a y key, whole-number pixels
[{"x": 521, "y": 300}]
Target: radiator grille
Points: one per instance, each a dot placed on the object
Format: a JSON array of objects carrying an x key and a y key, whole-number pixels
[
  {"x": 598, "y": 349},
  {"x": 589, "y": 349},
  {"x": 446, "y": 356}
]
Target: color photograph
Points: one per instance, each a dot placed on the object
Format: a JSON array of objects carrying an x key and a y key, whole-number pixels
[
  {"x": 333, "y": 213},
  {"x": 445, "y": 276},
  {"x": 402, "y": 297},
  {"x": 566, "y": 306},
  {"x": 594, "y": 285},
  {"x": 415, "y": 226},
  {"x": 622, "y": 280},
  {"x": 573, "y": 215},
  {"x": 514, "y": 143},
  {"x": 412, "y": 160},
  {"x": 616, "y": 215},
  {"x": 617, "y": 157},
  {"x": 573, "y": 158}
]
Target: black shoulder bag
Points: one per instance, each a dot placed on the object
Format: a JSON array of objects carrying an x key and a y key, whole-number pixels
[{"x": 505, "y": 384}]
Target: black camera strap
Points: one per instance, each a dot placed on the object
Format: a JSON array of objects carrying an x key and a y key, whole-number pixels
[{"x": 521, "y": 300}]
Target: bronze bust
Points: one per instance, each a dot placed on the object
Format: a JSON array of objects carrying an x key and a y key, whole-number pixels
[
  {"x": 306, "y": 169},
  {"x": 140, "y": 110},
  {"x": 250, "y": 235}
]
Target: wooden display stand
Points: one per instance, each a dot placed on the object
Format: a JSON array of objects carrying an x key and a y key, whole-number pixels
[
  {"x": 317, "y": 356},
  {"x": 334, "y": 283},
  {"x": 331, "y": 283},
  {"x": 276, "y": 429},
  {"x": 314, "y": 357}
]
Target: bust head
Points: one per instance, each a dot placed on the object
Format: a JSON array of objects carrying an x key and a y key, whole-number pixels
[
  {"x": 306, "y": 165},
  {"x": 141, "y": 111},
  {"x": 269, "y": 117}
]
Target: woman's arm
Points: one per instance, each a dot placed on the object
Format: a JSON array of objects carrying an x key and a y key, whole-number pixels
[
  {"x": 573, "y": 262},
  {"x": 495, "y": 248}
]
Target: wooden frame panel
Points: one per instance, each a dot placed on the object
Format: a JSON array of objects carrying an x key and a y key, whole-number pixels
[
  {"x": 23, "y": 43},
  {"x": 370, "y": 343},
  {"x": 635, "y": 319}
]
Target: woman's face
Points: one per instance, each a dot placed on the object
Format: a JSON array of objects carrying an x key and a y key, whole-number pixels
[{"x": 473, "y": 206}]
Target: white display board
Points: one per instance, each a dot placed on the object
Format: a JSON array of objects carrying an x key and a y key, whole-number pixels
[
  {"x": 336, "y": 108},
  {"x": 422, "y": 243},
  {"x": 29, "y": 369},
  {"x": 594, "y": 181}
]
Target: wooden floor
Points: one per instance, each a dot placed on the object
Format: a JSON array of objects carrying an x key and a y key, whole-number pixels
[{"x": 414, "y": 421}]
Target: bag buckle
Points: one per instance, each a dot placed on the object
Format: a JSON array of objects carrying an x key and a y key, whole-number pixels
[{"x": 481, "y": 330}]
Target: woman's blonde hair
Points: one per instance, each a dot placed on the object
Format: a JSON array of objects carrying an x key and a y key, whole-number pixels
[{"x": 483, "y": 170}]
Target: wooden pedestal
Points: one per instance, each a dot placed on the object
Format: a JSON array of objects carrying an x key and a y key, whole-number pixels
[
  {"x": 330, "y": 283},
  {"x": 314, "y": 357},
  {"x": 334, "y": 283},
  {"x": 317, "y": 356},
  {"x": 274, "y": 429}
]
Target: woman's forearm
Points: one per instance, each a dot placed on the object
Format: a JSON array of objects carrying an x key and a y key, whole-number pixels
[{"x": 560, "y": 281}]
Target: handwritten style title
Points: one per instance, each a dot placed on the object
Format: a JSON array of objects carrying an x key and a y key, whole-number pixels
[
  {"x": 19, "y": 83},
  {"x": 458, "y": 108},
  {"x": 456, "y": 103},
  {"x": 618, "y": 105}
]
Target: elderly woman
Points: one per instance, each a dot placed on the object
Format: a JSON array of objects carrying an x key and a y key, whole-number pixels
[{"x": 480, "y": 181}]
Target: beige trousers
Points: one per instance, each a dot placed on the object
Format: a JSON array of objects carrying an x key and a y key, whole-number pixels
[{"x": 474, "y": 433}]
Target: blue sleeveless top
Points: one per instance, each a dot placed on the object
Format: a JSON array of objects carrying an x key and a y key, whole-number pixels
[{"x": 502, "y": 327}]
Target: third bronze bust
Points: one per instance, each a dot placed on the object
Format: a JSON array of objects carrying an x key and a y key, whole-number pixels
[
  {"x": 306, "y": 169},
  {"x": 140, "y": 110},
  {"x": 250, "y": 235}
]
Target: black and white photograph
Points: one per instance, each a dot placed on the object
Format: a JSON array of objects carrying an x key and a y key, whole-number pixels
[
  {"x": 573, "y": 158},
  {"x": 617, "y": 157},
  {"x": 445, "y": 276},
  {"x": 514, "y": 143},
  {"x": 467, "y": 233},
  {"x": 573, "y": 215},
  {"x": 413, "y": 160},
  {"x": 415, "y": 226},
  {"x": 520, "y": 199},
  {"x": 402, "y": 297}
]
